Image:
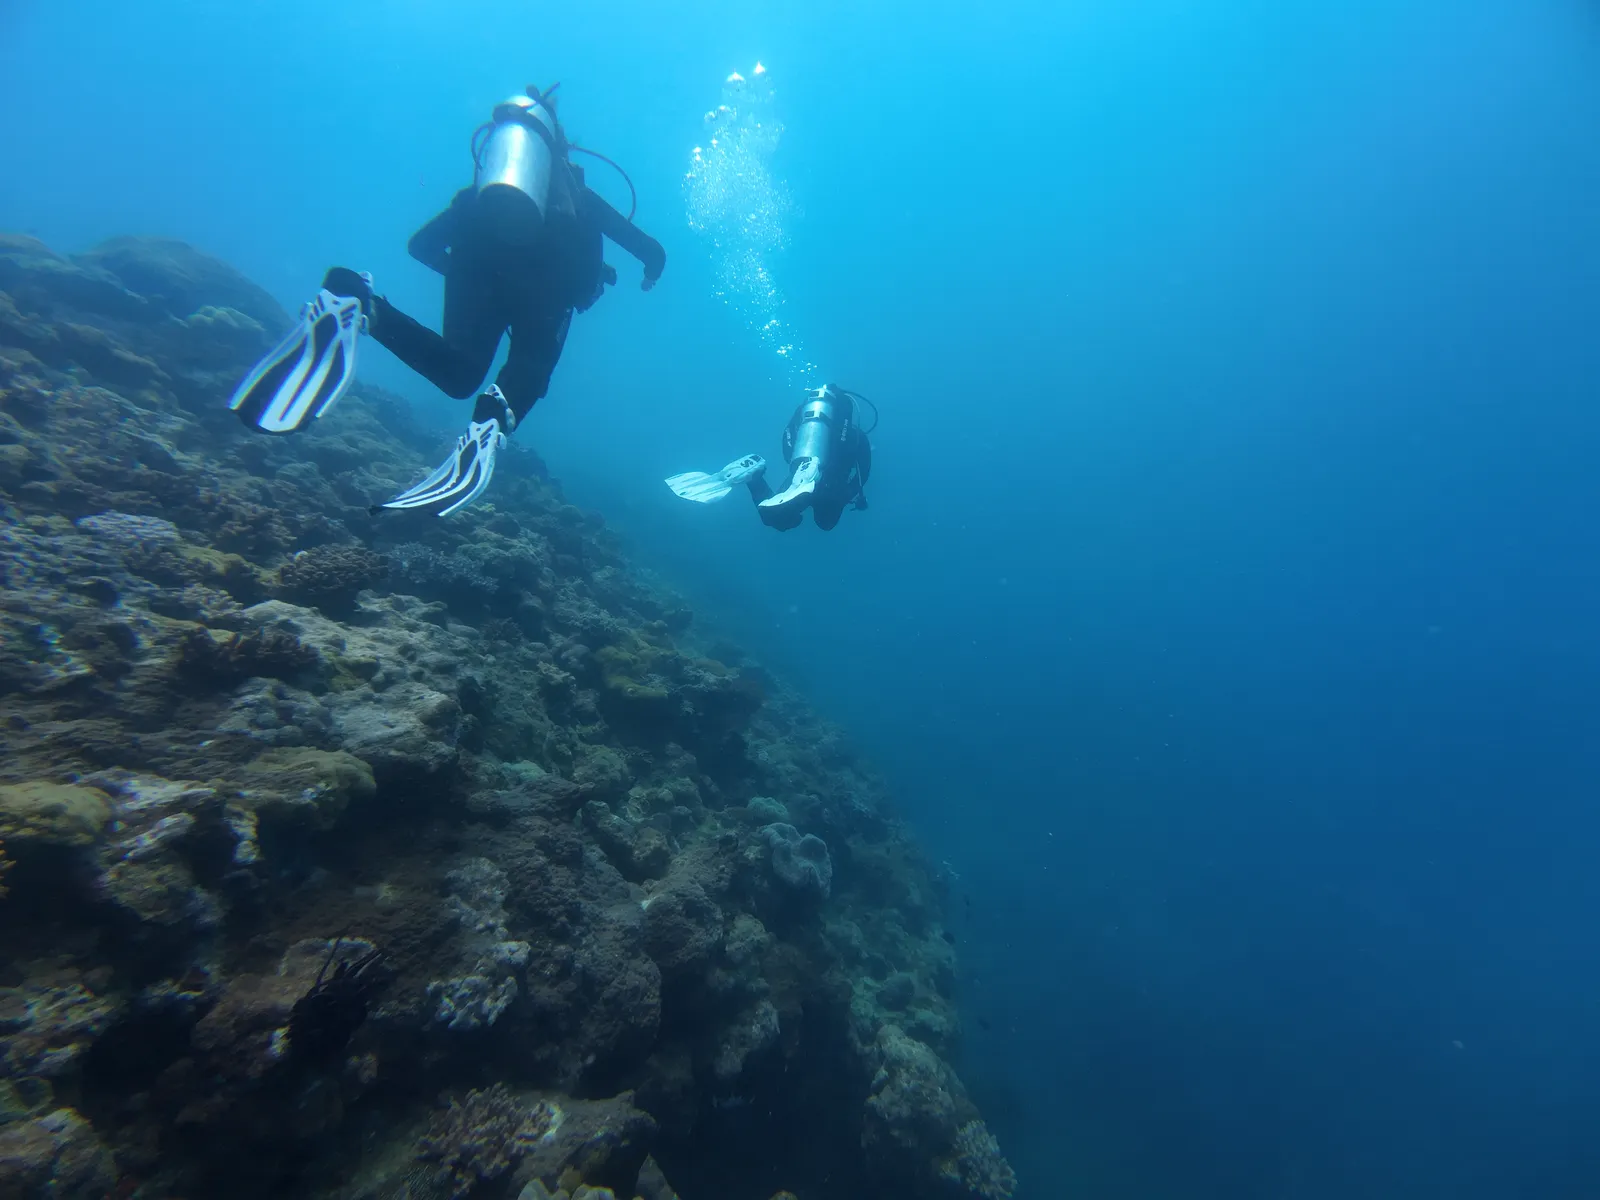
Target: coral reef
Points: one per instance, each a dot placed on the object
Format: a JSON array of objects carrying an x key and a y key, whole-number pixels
[
  {"x": 356, "y": 856},
  {"x": 57, "y": 1156},
  {"x": 480, "y": 1138}
]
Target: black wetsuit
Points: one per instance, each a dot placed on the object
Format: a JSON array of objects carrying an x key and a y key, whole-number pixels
[
  {"x": 843, "y": 479},
  {"x": 490, "y": 288}
]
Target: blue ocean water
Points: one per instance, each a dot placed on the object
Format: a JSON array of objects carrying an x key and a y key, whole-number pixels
[{"x": 1224, "y": 614}]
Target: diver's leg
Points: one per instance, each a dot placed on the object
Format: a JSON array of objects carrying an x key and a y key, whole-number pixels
[
  {"x": 826, "y": 511},
  {"x": 783, "y": 519},
  {"x": 456, "y": 361},
  {"x": 776, "y": 516},
  {"x": 462, "y": 477},
  {"x": 785, "y": 509},
  {"x": 537, "y": 339}
]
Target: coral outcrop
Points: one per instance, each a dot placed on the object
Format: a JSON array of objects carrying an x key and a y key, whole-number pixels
[
  {"x": 57, "y": 1156},
  {"x": 480, "y": 1138},
  {"x": 800, "y": 860},
  {"x": 356, "y": 856}
]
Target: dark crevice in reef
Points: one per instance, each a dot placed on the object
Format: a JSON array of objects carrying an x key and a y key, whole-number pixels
[{"x": 363, "y": 859}]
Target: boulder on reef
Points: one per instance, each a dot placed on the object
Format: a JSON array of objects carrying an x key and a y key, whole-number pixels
[{"x": 801, "y": 862}]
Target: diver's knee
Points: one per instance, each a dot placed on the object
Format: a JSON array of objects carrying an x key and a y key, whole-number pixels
[
  {"x": 782, "y": 519},
  {"x": 461, "y": 378}
]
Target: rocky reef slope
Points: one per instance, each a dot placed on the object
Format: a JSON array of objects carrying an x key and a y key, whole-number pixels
[{"x": 357, "y": 857}]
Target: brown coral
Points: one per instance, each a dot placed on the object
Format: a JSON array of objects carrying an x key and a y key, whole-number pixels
[
  {"x": 56, "y": 1155},
  {"x": 482, "y": 1136},
  {"x": 52, "y": 814},
  {"x": 225, "y": 661}
]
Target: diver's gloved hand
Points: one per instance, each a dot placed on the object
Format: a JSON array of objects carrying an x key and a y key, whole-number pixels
[
  {"x": 461, "y": 478},
  {"x": 807, "y": 473},
  {"x": 705, "y": 489},
  {"x": 655, "y": 263}
]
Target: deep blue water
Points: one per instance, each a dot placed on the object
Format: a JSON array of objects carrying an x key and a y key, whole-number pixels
[{"x": 1225, "y": 613}]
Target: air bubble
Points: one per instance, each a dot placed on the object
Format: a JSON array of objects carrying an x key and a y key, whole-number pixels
[{"x": 742, "y": 208}]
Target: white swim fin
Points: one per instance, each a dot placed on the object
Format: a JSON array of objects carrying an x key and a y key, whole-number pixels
[
  {"x": 705, "y": 489},
  {"x": 802, "y": 483},
  {"x": 461, "y": 478},
  {"x": 308, "y": 371}
]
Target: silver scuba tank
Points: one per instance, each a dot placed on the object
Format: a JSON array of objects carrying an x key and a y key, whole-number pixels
[
  {"x": 514, "y": 169},
  {"x": 817, "y": 427}
]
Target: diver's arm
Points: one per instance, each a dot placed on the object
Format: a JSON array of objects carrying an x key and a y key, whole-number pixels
[
  {"x": 430, "y": 245},
  {"x": 629, "y": 236}
]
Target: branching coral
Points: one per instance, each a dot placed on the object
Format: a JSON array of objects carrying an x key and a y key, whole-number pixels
[{"x": 331, "y": 577}]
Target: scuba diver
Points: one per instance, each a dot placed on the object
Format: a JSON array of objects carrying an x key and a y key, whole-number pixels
[
  {"x": 520, "y": 250},
  {"x": 829, "y": 460}
]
